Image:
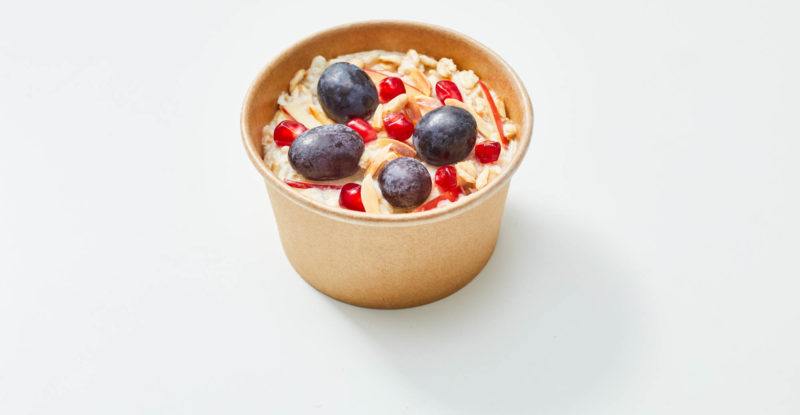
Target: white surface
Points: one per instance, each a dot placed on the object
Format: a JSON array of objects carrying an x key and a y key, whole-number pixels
[{"x": 647, "y": 261}]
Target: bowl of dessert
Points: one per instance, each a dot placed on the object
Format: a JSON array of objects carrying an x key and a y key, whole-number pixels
[{"x": 387, "y": 149}]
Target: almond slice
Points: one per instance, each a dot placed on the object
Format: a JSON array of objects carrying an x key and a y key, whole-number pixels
[
  {"x": 485, "y": 129},
  {"x": 413, "y": 111},
  {"x": 420, "y": 81},
  {"x": 395, "y": 59},
  {"x": 370, "y": 59},
  {"x": 297, "y": 78},
  {"x": 483, "y": 179},
  {"x": 381, "y": 66},
  {"x": 379, "y": 161},
  {"x": 398, "y": 147},
  {"x": 467, "y": 167},
  {"x": 396, "y": 104},
  {"x": 509, "y": 130},
  {"x": 428, "y": 103},
  {"x": 501, "y": 107},
  {"x": 377, "y": 121},
  {"x": 300, "y": 112},
  {"x": 300, "y": 90},
  {"x": 319, "y": 114},
  {"x": 369, "y": 196},
  {"x": 466, "y": 174}
]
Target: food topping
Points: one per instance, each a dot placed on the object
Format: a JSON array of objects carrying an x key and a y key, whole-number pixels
[
  {"x": 405, "y": 183},
  {"x": 346, "y": 91},
  {"x": 497, "y": 121},
  {"x": 348, "y": 121},
  {"x": 326, "y": 152},
  {"x": 487, "y": 151},
  {"x": 350, "y": 197},
  {"x": 447, "y": 89},
  {"x": 390, "y": 87},
  {"x": 445, "y": 135},
  {"x": 306, "y": 185},
  {"x": 446, "y": 178},
  {"x": 287, "y": 131},
  {"x": 398, "y": 126},
  {"x": 363, "y": 128}
]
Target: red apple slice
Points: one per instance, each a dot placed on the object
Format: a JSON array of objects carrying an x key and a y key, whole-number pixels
[
  {"x": 286, "y": 113},
  {"x": 497, "y": 120},
  {"x": 434, "y": 203},
  {"x": 306, "y": 185},
  {"x": 301, "y": 112}
]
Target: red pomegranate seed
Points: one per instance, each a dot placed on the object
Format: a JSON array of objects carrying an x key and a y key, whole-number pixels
[
  {"x": 287, "y": 131},
  {"x": 487, "y": 151},
  {"x": 447, "y": 89},
  {"x": 306, "y": 185},
  {"x": 446, "y": 178},
  {"x": 390, "y": 87},
  {"x": 398, "y": 126},
  {"x": 363, "y": 128},
  {"x": 350, "y": 197}
]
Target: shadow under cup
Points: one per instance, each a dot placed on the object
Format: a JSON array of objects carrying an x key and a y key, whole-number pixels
[{"x": 386, "y": 261}]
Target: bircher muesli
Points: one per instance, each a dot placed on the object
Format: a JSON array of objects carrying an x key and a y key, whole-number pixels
[{"x": 388, "y": 132}]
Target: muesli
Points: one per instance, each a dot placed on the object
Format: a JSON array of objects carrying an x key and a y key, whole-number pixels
[{"x": 388, "y": 132}]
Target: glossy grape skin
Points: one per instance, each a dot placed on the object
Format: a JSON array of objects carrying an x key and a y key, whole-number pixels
[
  {"x": 327, "y": 152},
  {"x": 346, "y": 91},
  {"x": 405, "y": 183},
  {"x": 445, "y": 135}
]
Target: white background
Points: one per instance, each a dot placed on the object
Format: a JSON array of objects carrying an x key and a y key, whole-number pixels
[{"x": 647, "y": 264}]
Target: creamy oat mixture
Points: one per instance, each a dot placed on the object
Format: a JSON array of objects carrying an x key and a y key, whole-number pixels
[{"x": 419, "y": 73}]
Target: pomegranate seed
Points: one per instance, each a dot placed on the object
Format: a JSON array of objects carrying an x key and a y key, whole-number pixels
[
  {"x": 287, "y": 131},
  {"x": 446, "y": 178},
  {"x": 398, "y": 126},
  {"x": 447, "y": 89},
  {"x": 487, "y": 151},
  {"x": 390, "y": 87},
  {"x": 363, "y": 128},
  {"x": 350, "y": 197}
]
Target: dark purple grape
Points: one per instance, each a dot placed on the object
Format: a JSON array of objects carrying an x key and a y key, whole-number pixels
[
  {"x": 346, "y": 91},
  {"x": 405, "y": 183},
  {"x": 445, "y": 135},
  {"x": 327, "y": 152}
]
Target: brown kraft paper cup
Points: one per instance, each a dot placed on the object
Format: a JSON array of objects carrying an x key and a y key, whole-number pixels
[{"x": 387, "y": 261}]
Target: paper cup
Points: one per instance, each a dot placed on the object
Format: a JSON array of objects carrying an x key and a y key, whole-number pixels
[{"x": 387, "y": 261}]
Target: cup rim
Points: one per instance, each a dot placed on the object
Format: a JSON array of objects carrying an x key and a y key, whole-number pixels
[{"x": 254, "y": 152}]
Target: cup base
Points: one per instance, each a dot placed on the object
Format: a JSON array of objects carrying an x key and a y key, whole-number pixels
[{"x": 378, "y": 265}]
